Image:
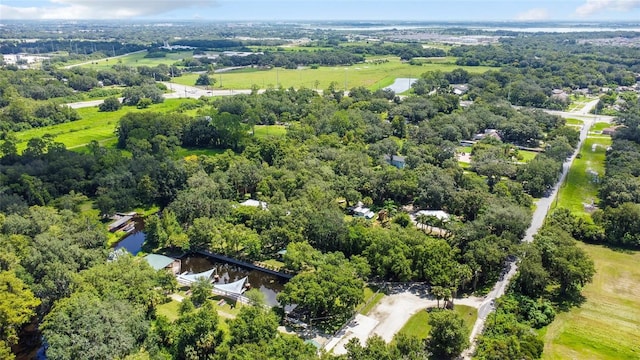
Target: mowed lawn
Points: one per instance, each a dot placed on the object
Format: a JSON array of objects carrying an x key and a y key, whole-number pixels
[
  {"x": 93, "y": 125},
  {"x": 574, "y": 122},
  {"x": 369, "y": 75},
  {"x": 579, "y": 186},
  {"x": 607, "y": 325},
  {"x": 263, "y": 131},
  {"x": 418, "y": 324}
]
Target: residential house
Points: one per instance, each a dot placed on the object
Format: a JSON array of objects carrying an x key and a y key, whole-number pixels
[
  {"x": 460, "y": 89},
  {"x": 488, "y": 133},
  {"x": 395, "y": 160},
  {"x": 361, "y": 211}
]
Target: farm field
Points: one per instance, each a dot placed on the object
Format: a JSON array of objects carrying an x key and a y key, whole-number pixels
[
  {"x": 371, "y": 76},
  {"x": 607, "y": 325}
]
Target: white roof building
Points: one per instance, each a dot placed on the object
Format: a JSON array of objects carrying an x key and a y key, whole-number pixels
[
  {"x": 441, "y": 215},
  {"x": 255, "y": 203}
]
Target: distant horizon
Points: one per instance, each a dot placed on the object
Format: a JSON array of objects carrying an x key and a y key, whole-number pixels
[
  {"x": 323, "y": 21},
  {"x": 325, "y": 10}
]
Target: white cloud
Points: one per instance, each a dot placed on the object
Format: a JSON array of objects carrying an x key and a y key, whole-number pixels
[
  {"x": 592, "y": 7},
  {"x": 536, "y": 14},
  {"x": 100, "y": 9}
]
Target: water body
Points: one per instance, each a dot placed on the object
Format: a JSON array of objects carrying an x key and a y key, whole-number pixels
[
  {"x": 133, "y": 241},
  {"x": 269, "y": 285},
  {"x": 401, "y": 85}
]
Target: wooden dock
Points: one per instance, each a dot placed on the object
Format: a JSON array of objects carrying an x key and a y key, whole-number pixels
[{"x": 245, "y": 264}]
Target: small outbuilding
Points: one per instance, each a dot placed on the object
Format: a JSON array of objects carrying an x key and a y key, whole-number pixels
[
  {"x": 160, "y": 262},
  {"x": 395, "y": 160}
]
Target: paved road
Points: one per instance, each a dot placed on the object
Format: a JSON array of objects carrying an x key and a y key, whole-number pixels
[
  {"x": 537, "y": 220},
  {"x": 177, "y": 91},
  {"x": 103, "y": 59}
]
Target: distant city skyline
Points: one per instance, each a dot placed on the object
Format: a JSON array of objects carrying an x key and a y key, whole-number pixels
[{"x": 285, "y": 10}]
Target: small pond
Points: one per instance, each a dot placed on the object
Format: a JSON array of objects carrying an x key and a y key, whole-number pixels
[
  {"x": 268, "y": 284},
  {"x": 133, "y": 241}
]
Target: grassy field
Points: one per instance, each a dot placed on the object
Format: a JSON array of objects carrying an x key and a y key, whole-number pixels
[
  {"x": 418, "y": 325},
  {"x": 263, "y": 131},
  {"x": 139, "y": 60},
  {"x": 170, "y": 310},
  {"x": 371, "y": 298},
  {"x": 574, "y": 122},
  {"x": 368, "y": 75},
  {"x": 579, "y": 188},
  {"x": 527, "y": 155},
  {"x": 94, "y": 125},
  {"x": 600, "y": 126},
  {"x": 607, "y": 325}
]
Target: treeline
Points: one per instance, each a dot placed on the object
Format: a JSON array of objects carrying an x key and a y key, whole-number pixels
[
  {"x": 619, "y": 191},
  {"x": 404, "y": 51},
  {"x": 293, "y": 59},
  {"x": 112, "y": 48},
  {"x": 551, "y": 274},
  {"x": 550, "y": 61}
]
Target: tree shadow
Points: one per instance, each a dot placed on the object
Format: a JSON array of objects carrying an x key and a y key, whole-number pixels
[{"x": 566, "y": 302}]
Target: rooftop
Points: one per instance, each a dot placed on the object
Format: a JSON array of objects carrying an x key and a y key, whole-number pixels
[{"x": 159, "y": 261}]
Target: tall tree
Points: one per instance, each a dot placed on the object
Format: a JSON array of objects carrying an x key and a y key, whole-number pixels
[
  {"x": 448, "y": 335},
  {"x": 17, "y": 305},
  {"x": 85, "y": 327}
]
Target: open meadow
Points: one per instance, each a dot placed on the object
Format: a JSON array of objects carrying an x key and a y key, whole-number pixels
[
  {"x": 139, "y": 59},
  {"x": 607, "y": 324},
  {"x": 93, "y": 125},
  {"x": 581, "y": 184},
  {"x": 370, "y": 75}
]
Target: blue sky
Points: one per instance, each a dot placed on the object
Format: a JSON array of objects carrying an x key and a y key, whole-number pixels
[{"x": 422, "y": 10}]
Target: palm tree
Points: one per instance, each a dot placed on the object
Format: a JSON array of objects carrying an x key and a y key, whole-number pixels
[
  {"x": 422, "y": 220},
  {"x": 438, "y": 292},
  {"x": 391, "y": 207}
]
